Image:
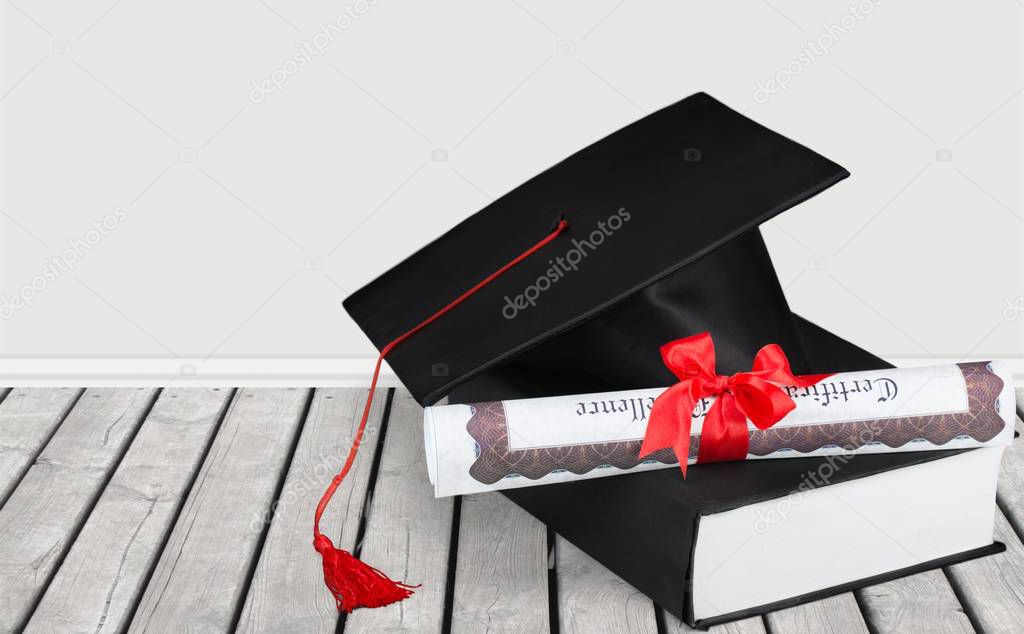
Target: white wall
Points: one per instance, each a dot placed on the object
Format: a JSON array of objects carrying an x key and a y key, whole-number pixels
[{"x": 245, "y": 224}]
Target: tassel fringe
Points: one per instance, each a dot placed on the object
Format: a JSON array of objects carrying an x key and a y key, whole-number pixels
[{"x": 353, "y": 583}]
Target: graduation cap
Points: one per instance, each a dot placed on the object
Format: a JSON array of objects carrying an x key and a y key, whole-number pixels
[{"x": 655, "y": 238}]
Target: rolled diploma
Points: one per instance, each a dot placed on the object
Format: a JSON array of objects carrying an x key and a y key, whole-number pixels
[{"x": 516, "y": 443}]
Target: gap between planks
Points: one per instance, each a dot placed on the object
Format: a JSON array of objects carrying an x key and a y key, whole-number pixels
[
  {"x": 46, "y": 512},
  {"x": 286, "y": 590},
  {"x": 204, "y": 570},
  {"x": 97, "y": 587},
  {"x": 975, "y": 583}
]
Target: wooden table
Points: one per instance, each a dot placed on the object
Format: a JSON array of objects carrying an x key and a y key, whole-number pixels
[{"x": 190, "y": 509}]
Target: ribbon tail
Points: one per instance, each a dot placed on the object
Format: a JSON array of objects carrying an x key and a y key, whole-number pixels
[
  {"x": 669, "y": 423},
  {"x": 724, "y": 435}
]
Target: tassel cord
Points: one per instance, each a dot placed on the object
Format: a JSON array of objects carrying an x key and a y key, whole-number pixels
[{"x": 339, "y": 566}]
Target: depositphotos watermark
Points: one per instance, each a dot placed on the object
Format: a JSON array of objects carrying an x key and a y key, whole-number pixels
[
  {"x": 561, "y": 265},
  {"x": 1013, "y": 308},
  {"x": 814, "y": 49},
  {"x": 820, "y": 477},
  {"x": 306, "y": 50},
  {"x": 57, "y": 265},
  {"x": 302, "y": 483}
]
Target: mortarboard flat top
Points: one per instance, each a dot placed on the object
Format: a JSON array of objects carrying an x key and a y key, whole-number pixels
[{"x": 690, "y": 178}]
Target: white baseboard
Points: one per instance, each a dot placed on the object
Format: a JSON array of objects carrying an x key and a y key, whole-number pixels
[
  {"x": 255, "y": 372},
  {"x": 180, "y": 372}
]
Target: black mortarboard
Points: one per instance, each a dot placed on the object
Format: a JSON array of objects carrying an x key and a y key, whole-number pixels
[{"x": 663, "y": 242}]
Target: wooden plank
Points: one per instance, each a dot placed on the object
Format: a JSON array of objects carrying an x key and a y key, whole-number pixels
[
  {"x": 104, "y": 573},
  {"x": 752, "y": 625},
  {"x": 28, "y": 417},
  {"x": 1011, "y": 477},
  {"x": 203, "y": 572},
  {"x": 43, "y": 515},
  {"x": 501, "y": 579},
  {"x": 287, "y": 592},
  {"x": 592, "y": 598},
  {"x": 923, "y": 602},
  {"x": 838, "y": 614},
  {"x": 408, "y": 530},
  {"x": 992, "y": 588}
]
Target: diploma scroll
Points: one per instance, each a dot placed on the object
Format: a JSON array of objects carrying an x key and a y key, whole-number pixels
[{"x": 506, "y": 444}]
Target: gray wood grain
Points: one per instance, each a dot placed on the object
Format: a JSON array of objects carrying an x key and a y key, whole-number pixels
[
  {"x": 45, "y": 511},
  {"x": 501, "y": 575},
  {"x": 203, "y": 572},
  {"x": 408, "y": 531},
  {"x": 993, "y": 587},
  {"x": 923, "y": 602},
  {"x": 838, "y": 614},
  {"x": 1011, "y": 476},
  {"x": 287, "y": 592},
  {"x": 752, "y": 625},
  {"x": 96, "y": 587},
  {"x": 28, "y": 417},
  {"x": 591, "y": 598}
]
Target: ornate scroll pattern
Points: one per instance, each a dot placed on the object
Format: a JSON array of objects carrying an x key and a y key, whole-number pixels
[
  {"x": 497, "y": 460},
  {"x": 981, "y": 422}
]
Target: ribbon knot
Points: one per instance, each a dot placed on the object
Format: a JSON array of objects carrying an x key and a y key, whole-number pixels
[
  {"x": 756, "y": 396},
  {"x": 722, "y": 384}
]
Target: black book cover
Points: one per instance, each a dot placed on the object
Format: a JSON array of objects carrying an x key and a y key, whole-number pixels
[{"x": 643, "y": 526}]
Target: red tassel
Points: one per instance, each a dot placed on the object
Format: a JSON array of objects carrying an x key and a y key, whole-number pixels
[{"x": 355, "y": 584}]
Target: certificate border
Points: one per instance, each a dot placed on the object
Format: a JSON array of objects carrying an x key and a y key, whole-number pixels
[{"x": 981, "y": 421}]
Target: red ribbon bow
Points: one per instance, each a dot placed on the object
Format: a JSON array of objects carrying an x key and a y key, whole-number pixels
[{"x": 753, "y": 395}]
